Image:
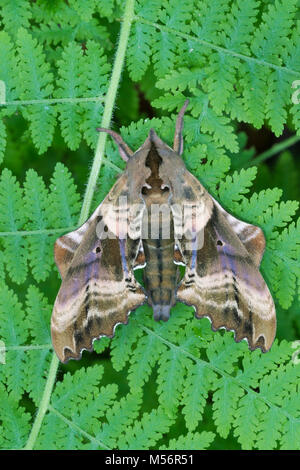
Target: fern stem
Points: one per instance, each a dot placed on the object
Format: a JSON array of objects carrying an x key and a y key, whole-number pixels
[
  {"x": 108, "y": 108},
  {"x": 47, "y": 231},
  {"x": 106, "y": 118},
  {"x": 214, "y": 47},
  {"x": 275, "y": 149},
  {"x": 44, "y": 404},
  {"x": 29, "y": 347},
  {"x": 53, "y": 101}
]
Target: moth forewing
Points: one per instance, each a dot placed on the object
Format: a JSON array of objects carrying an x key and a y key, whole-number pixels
[
  {"x": 98, "y": 289},
  {"x": 224, "y": 284},
  {"x": 251, "y": 236}
]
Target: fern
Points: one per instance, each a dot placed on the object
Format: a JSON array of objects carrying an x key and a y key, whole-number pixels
[
  {"x": 70, "y": 84},
  {"x": 176, "y": 385},
  {"x": 12, "y": 219},
  {"x": 35, "y": 80},
  {"x": 15, "y": 15}
]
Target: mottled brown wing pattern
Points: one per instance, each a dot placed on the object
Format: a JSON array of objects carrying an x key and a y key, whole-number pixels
[
  {"x": 251, "y": 236},
  {"x": 66, "y": 246},
  {"x": 98, "y": 289},
  {"x": 223, "y": 283}
]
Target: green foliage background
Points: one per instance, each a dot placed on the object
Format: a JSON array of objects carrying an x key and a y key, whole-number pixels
[{"x": 176, "y": 385}]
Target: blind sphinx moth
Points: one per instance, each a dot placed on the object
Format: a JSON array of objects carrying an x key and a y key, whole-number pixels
[{"x": 156, "y": 216}]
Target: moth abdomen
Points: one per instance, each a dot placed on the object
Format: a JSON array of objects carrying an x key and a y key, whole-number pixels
[
  {"x": 161, "y": 312},
  {"x": 160, "y": 277}
]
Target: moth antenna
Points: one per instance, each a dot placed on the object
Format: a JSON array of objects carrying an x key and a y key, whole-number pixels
[
  {"x": 178, "y": 139},
  {"x": 124, "y": 150}
]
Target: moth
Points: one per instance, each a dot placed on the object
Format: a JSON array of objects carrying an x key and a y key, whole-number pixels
[{"x": 141, "y": 224}]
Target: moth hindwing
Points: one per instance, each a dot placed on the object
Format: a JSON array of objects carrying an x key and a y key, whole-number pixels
[{"x": 157, "y": 216}]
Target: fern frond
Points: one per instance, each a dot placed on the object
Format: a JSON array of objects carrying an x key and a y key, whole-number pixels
[
  {"x": 194, "y": 397},
  {"x": 233, "y": 187},
  {"x": 119, "y": 417},
  {"x": 79, "y": 400},
  {"x": 84, "y": 9},
  {"x": 38, "y": 313},
  {"x": 34, "y": 210},
  {"x": 293, "y": 62},
  {"x": 259, "y": 203},
  {"x": 222, "y": 67},
  {"x": 171, "y": 372},
  {"x": 14, "y": 334},
  {"x": 145, "y": 433},
  {"x": 209, "y": 17},
  {"x": 15, "y": 420},
  {"x": 181, "y": 79},
  {"x": 8, "y": 61},
  {"x": 239, "y": 60},
  {"x": 8, "y": 72},
  {"x": 70, "y": 84},
  {"x": 105, "y": 8},
  {"x": 35, "y": 79},
  {"x": 244, "y": 406},
  {"x": 58, "y": 11},
  {"x": 216, "y": 165},
  {"x": 15, "y": 15},
  {"x": 175, "y": 15},
  {"x": 126, "y": 337},
  {"x": 277, "y": 22},
  {"x": 63, "y": 198},
  {"x": 96, "y": 73},
  {"x": 141, "y": 40},
  {"x": 36, "y": 204},
  {"x": 192, "y": 441},
  {"x": 281, "y": 262},
  {"x": 12, "y": 219}
]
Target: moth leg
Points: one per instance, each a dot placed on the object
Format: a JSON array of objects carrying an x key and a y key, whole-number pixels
[
  {"x": 178, "y": 258},
  {"x": 140, "y": 260}
]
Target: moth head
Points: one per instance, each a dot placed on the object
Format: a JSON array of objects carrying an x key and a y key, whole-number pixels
[{"x": 125, "y": 151}]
